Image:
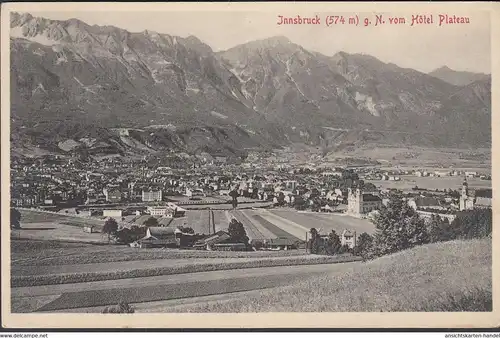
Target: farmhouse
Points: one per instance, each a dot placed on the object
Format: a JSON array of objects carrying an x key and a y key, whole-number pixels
[
  {"x": 220, "y": 241},
  {"x": 348, "y": 238},
  {"x": 157, "y": 237},
  {"x": 280, "y": 244}
]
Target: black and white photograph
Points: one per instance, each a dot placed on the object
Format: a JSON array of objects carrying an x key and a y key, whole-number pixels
[{"x": 218, "y": 161}]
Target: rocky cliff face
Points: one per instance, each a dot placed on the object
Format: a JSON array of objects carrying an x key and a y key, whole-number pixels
[{"x": 70, "y": 80}]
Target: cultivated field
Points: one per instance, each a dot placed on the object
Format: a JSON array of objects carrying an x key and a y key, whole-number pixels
[
  {"x": 452, "y": 276},
  {"x": 449, "y": 182},
  {"x": 292, "y": 224},
  {"x": 199, "y": 221},
  {"x": 325, "y": 221},
  {"x": 47, "y": 226},
  {"x": 55, "y": 275},
  {"x": 417, "y": 157},
  {"x": 255, "y": 230},
  {"x": 53, "y": 253},
  {"x": 33, "y": 216}
]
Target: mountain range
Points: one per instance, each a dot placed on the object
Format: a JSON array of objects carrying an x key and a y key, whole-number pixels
[
  {"x": 100, "y": 88},
  {"x": 458, "y": 78}
]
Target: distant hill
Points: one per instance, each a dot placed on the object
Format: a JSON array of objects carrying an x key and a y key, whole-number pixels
[
  {"x": 457, "y": 78},
  {"x": 73, "y": 81}
]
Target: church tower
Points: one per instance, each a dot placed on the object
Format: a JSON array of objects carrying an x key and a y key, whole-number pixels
[
  {"x": 354, "y": 201},
  {"x": 466, "y": 201},
  {"x": 465, "y": 189}
]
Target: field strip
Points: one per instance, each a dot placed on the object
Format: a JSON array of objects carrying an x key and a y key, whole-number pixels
[
  {"x": 228, "y": 216},
  {"x": 293, "y": 228},
  {"x": 257, "y": 234},
  {"x": 30, "y": 304},
  {"x": 155, "y": 292},
  {"x": 328, "y": 222},
  {"x": 34, "y": 270},
  {"x": 266, "y": 233},
  {"x": 169, "y": 279},
  {"x": 117, "y": 266},
  {"x": 41, "y": 280},
  {"x": 160, "y": 306}
]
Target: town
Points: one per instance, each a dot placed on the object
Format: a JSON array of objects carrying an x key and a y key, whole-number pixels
[{"x": 274, "y": 202}]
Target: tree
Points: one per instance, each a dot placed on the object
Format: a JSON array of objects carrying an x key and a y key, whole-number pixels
[
  {"x": 258, "y": 245},
  {"x": 369, "y": 187},
  {"x": 281, "y": 198},
  {"x": 398, "y": 227},
  {"x": 151, "y": 222},
  {"x": 110, "y": 227},
  {"x": 255, "y": 193},
  {"x": 234, "y": 194},
  {"x": 334, "y": 244},
  {"x": 15, "y": 218},
  {"x": 314, "y": 243},
  {"x": 186, "y": 230},
  {"x": 124, "y": 236},
  {"x": 314, "y": 193},
  {"x": 300, "y": 203},
  {"x": 363, "y": 246},
  {"x": 475, "y": 223},
  {"x": 237, "y": 232},
  {"x": 440, "y": 229}
]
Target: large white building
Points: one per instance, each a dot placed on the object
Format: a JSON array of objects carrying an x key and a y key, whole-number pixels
[
  {"x": 112, "y": 213},
  {"x": 151, "y": 196},
  {"x": 162, "y": 211}
]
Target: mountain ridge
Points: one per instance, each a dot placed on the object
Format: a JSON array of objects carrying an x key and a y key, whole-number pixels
[
  {"x": 458, "y": 78},
  {"x": 265, "y": 93}
]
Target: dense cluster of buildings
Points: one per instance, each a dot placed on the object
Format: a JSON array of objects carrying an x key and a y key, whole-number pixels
[{"x": 114, "y": 184}]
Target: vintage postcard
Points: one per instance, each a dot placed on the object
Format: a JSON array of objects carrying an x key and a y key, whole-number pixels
[{"x": 249, "y": 165}]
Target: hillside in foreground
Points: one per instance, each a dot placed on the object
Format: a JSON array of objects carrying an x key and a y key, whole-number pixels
[{"x": 451, "y": 276}]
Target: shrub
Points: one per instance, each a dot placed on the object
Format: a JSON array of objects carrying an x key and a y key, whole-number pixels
[{"x": 121, "y": 307}]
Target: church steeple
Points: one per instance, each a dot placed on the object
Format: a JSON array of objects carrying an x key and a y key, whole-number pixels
[{"x": 465, "y": 188}]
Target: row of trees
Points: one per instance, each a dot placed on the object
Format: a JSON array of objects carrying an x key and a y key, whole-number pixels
[
  {"x": 236, "y": 230},
  {"x": 399, "y": 227},
  {"x": 331, "y": 245},
  {"x": 129, "y": 235}
]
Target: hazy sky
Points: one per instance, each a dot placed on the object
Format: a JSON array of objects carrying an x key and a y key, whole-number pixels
[{"x": 424, "y": 47}]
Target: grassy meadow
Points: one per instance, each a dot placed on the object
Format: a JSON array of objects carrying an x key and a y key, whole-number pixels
[{"x": 451, "y": 276}]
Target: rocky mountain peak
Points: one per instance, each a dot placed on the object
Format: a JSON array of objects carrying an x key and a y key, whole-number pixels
[{"x": 265, "y": 92}]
